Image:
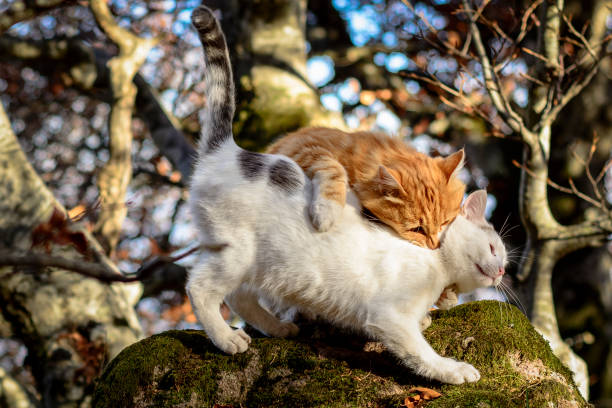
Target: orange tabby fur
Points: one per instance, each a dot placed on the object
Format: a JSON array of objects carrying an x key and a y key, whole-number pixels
[{"x": 414, "y": 194}]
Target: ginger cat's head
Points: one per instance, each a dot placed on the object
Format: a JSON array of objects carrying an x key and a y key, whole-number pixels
[{"x": 417, "y": 196}]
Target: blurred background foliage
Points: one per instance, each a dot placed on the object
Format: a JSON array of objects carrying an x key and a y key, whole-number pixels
[{"x": 360, "y": 55}]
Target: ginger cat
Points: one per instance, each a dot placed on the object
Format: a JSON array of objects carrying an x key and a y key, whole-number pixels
[
  {"x": 250, "y": 211},
  {"x": 414, "y": 194}
]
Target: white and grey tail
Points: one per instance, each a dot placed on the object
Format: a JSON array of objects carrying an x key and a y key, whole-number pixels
[{"x": 219, "y": 84}]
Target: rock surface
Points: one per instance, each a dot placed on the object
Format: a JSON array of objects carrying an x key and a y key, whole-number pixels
[{"x": 324, "y": 366}]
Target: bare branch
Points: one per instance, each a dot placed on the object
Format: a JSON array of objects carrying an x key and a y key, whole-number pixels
[
  {"x": 572, "y": 190},
  {"x": 524, "y": 20},
  {"x": 534, "y": 54},
  {"x": 115, "y": 176},
  {"x": 450, "y": 48},
  {"x": 581, "y": 37},
  {"x": 492, "y": 82},
  {"x": 570, "y": 93},
  {"x": 21, "y": 10},
  {"x": 86, "y": 68},
  {"x": 91, "y": 269},
  {"x": 552, "y": 27}
]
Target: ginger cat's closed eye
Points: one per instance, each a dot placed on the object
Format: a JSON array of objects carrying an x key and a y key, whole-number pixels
[{"x": 414, "y": 194}]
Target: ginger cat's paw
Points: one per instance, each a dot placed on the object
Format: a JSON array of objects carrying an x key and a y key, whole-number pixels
[
  {"x": 458, "y": 372},
  {"x": 448, "y": 298},
  {"x": 324, "y": 213},
  {"x": 237, "y": 342}
]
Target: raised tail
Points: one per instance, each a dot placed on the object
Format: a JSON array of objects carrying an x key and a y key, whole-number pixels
[{"x": 219, "y": 84}]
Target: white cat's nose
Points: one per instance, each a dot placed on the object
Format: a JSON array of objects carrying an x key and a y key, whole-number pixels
[{"x": 501, "y": 271}]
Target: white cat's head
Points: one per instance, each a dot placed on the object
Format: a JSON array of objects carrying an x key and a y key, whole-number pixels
[{"x": 473, "y": 247}]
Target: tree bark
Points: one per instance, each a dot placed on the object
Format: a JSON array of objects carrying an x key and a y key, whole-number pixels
[
  {"x": 87, "y": 70},
  {"x": 267, "y": 43},
  {"x": 70, "y": 324}
]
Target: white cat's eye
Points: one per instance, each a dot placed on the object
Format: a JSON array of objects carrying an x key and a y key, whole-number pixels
[{"x": 492, "y": 249}]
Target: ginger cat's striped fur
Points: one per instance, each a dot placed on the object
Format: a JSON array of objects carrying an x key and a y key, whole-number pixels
[{"x": 414, "y": 194}]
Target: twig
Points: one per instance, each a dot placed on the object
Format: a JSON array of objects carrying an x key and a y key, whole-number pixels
[
  {"x": 535, "y": 54},
  {"x": 570, "y": 93},
  {"x": 90, "y": 269},
  {"x": 532, "y": 79},
  {"x": 492, "y": 81},
  {"x": 526, "y": 16},
  {"x": 581, "y": 37},
  {"x": 572, "y": 190}
]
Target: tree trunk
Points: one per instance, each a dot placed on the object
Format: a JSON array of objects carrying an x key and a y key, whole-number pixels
[
  {"x": 267, "y": 43},
  {"x": 70, "y": 324}
]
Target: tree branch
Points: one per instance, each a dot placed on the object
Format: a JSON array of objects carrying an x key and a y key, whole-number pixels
[
  {"x": 96, "y": 270},
  {"x": 492, "y": 82},
  {"x": 115, "y": 176},
  {"x": 28, "y": 212},
  {"x": 12, "y": 393},
  {"x": 21, "y": 10},
  {"x": 85, "y": 69}
]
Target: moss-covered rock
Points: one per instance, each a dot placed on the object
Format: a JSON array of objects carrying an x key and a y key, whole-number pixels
[{"x": 325, "y": 367}]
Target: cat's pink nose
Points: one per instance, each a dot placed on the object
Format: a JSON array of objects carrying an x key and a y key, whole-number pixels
[{"x": 501, "y": 271}]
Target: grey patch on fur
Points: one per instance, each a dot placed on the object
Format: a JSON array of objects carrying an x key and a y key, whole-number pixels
[
  {"x": 251, "y": 164},
  {"x": 285, "y": 176}
]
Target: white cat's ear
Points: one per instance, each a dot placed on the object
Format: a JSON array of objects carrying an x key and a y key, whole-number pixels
[
  {"x": 388, "y": 184},
  {"x": 451, "y": 165},
  {"x": 474, "y": 206}
]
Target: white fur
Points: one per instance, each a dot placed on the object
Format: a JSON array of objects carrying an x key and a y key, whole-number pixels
[{"x": 356, "y": 275}]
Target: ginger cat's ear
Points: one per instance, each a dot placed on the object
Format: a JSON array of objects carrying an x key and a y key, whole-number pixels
[
  {"x": 474, "y": 206},
  {"x": 388, "y": 184},
  {"x": 450, "y": 165}
]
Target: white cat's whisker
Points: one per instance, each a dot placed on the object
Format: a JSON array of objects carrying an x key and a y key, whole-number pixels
[
  {"x": 507, "y": 232},
  {"x": 513, "y": 297},
  {"x": 501, "y": 230},
  {"x": 497, "y": 292}
]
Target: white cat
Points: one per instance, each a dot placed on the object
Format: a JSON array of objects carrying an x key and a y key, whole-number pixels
[{"x": 253, "y": 208}]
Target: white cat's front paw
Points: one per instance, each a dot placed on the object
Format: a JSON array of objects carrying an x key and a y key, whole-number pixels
[
  {"x": 284, "y": 329},
  {"x": 236, "y": 342},
  {"x": 324, "y": 213},
  {"x": 458, "y": 372}
]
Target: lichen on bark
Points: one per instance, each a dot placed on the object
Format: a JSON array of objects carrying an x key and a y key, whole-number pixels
[{"x": 325, "y": 366}]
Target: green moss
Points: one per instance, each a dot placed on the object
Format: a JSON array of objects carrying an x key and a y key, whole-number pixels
[
  {"x": 516, "y": 364},
  {"x": 163, "y": 370},
  {"x": 326, "y": 367}
]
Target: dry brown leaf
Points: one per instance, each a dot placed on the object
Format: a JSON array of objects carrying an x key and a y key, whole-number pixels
[
  {"x": 76, "y": 213},
  {"x": 408, "y": 403},
  {"x": 57, "y": 230},
  {"x": 426, "y": 393}
]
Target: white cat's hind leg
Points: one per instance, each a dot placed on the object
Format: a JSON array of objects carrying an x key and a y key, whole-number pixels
[
  {"x": 207, "y": 285},
  {"x": 402, "y": 337},
  {"x": 246, "y": 304}
]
